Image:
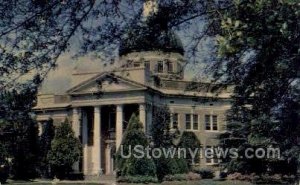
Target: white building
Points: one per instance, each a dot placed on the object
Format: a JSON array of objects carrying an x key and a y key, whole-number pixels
[{"x": 99, "y": 105}]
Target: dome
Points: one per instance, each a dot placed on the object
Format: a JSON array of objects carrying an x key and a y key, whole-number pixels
[{"x": 145, "y": 39}]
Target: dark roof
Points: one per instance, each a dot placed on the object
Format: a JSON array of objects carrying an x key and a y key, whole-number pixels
[{"x": 147, "y": 38}]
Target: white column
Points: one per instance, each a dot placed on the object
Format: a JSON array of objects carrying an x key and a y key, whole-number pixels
[
  {"x": 85, "y": 143},
  {"x": 76, "y": 129},
  {"x": 119, "y": 125},
  {"x": 40, "y": 127},
  {"x": 142, "y": 116},
  {"x": 76, "y": 121},
  {"x": 108, "y": 159},
  {"x": 97, "y": 141}
]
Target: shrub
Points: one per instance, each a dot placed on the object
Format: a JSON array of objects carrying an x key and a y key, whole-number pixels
[
  {"x": 189, "y": 141},
  {"x": 4, "y": 168},
  {"x": 132, "y": 166},
  {"x": 137, "y": 179},
  {"x": 45, "y": 146},
  {"x": 193, "y": 176},
  {"x": 204, "y": 173},
  {"x": 242, "y": 177},
  {"x": 170, "y": 166},
  {"x": 183, "y": 177},
  {"x": 274, "y": 179},
  {"x": 4, "y": 173},
  {"x": 65, "y": 150}
]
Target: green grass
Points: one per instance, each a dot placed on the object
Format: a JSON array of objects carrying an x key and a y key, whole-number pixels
[{"x": 201, "y": 182}]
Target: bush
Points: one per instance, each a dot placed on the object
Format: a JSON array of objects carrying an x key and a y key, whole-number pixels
[
  {"x": 242, "y": 177},
  {"x": 132, "y": 166},
  {"x": 45, "y": 146},
  {"x": 137, "y": 179},
  {"x": 4, "y": 167},
  {"x": 189, "y": 141},
  {"x": 65, "y": 151},
  {"x": 274, "y": 179},
  {"x": 205, "y": 173},
  {"x": 183, "y": 177},
  {"x": 170, "y": 166},
  {"x": 4, "y": 173},
  {"x": 193, "y": 176}
]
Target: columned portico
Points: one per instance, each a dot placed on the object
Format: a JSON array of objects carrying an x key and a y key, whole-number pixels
[
  {"x": 97, "y": 170},
  {"x": 119, "y": 125}
]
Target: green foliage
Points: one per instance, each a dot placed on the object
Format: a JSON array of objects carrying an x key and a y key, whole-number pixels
[
  {"x": 134, "y": 135},
  {"x": 20, "y": 132},
  {"x": 259, "y": 45},
  {"x": 204, "y": 173},
  {"x": 163, "y": 138},
  {"x": 161, "y": 135},
  {"x": 170, "y": 166},
  {"x": 45, "y": 146},
  {"x": 65, "y": 150},
  {"x": 190, "y": 142},
  {"x": 4, "y": 167}
]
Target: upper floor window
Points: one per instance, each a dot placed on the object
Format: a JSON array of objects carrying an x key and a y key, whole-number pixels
[
  {"x": 188, "y": 125},
  {"x": 174, "y": 121},
  {"x": 211, "y": 122},
  {"x": 191, "y": 122},
  {"x": 160, "y": 67},
  {"x": 195, "y": 122},
  {"x": 147, "y": 65},
  {"x": 170, "y": 66}
]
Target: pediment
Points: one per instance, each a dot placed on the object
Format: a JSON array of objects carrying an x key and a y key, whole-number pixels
[{"x": 105, "y": 83}]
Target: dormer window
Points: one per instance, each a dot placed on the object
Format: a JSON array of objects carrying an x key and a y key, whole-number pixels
[{"x": 160, "y": 67}]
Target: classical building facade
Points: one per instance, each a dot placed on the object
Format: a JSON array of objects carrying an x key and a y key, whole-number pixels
[{"x": 100, "y": 104}]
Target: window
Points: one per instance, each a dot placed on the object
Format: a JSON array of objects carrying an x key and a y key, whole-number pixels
[
  {"x": 207, "y": 122},
  {"x": 215, "y": 122},
  {"x": 136, "y": 64},
  {"x": 211, "y": 122},
  {"x": 147, "y": 65},
  {"x": 174, "y": 124},
  {"x": 195, "y": 122},
  {"x": 169, "y": 66},
  {"x": 160, "y": 67},
  {"x": 211, "y": 157},
  {"x": 188, "y": 122},
  {"x": 191, "y": 124}
]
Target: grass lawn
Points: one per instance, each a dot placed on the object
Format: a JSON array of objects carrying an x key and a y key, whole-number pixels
[{"x": 201, "y": 182}]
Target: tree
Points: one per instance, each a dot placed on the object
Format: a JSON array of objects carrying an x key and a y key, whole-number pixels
[
  {"x": 45, "y": 146},
  {"x": 4, "y": 167},
  {"x": 161, "y": 135},
  {"x": 163, "y": 138},
  {"x": 20, "y": 131},
  {"x": 259, "y": 48},
  {"x": 51, "y": 28},
  {"x": 65, "y": 150},
  {"x": 132, "y": 166},
  {"x": 190, "y": 142}
]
